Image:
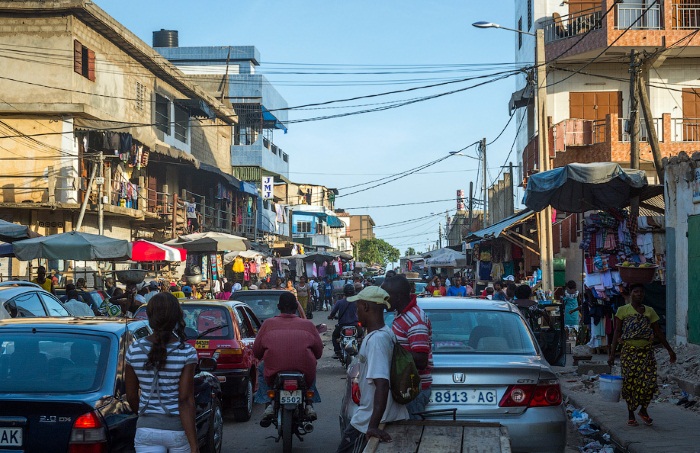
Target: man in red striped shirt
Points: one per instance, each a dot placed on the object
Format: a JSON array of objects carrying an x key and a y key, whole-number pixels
[{"x": 414, "y": 332}]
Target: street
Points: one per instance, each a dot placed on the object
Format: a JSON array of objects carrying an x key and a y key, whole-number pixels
[{"x": 330, "y": 380}]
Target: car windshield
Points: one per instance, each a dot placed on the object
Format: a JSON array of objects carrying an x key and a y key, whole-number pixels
[
  {"x": 52, "y": 362},
  {"x": 263, "y": 305},
  {"x": 480, "y": 332},
  {"x": 199, "y": 318}
]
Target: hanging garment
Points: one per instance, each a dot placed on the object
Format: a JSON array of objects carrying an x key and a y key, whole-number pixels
[
  {"x": 246, "y": 272},
  {"x": 253, "y": 267},
  {"x": 322, "y": 270},
  {"x": 484, "y": 270},
  {"x": 238, "y": 265},
  {"x": 310, "y": 270}
]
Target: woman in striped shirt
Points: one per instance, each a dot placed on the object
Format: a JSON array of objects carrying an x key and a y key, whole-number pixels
[{"x": 162, "y": 366}]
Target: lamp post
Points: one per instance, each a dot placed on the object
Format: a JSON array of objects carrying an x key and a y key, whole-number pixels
[{"x": 544, "y": 217}]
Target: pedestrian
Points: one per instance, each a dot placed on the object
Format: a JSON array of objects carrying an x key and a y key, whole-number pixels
[
  {"x": 41, "y": 280},
  {"x": 635, "y": 326},
  {"x": 187, "y": 291},
  {"x": 328, "y": 295},
  {"x": 376, "y": 403},
  {"x": 110, "y": 286},
  {"x": 457, "y": 289},
  {"x": 302, "y": 292},
  {"x": 347, "y": 316},
  {"x": 160, "y": 372},
  {"x": 489, "y": 293},
  {"x": 192, "y": 215},
  {"x": 153, "y": 289},
  {"x": 571, "y": 305},
  {"x": 226, "y": 293},
  {"x": 290, "y": 287},
  {"x": 498, "y": 293},
  {"x": 75, "y": 306},
  {"x": 414, "y": 332}
]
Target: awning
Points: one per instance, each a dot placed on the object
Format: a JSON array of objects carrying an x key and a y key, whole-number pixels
[
  {"x": 249, "y": 188},
  {"x": 271, "y": 118},
  {"x": 334, "y": 222},
  {"x": 235, "y": 182},
  {"x": 197, "y": 108},
  {"x": 144, "y": 251},
  {"x": 497, "y": 229},
  {"x": 521, "y": 98},
  {"x": 176, "y": 154}
]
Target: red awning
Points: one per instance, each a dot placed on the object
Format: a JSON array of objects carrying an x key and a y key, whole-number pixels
[{"x": 142, "y": 250}]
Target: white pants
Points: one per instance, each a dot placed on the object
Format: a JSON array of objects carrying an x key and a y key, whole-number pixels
[{"x": 149, "y": 440}]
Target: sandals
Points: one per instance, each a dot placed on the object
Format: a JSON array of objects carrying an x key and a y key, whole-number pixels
[
  {"x": 632, "y": 423},
  {"x": 647, "y": 420}
]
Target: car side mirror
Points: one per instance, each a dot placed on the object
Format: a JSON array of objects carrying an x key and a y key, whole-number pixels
[{"x": 207, "y": 364}]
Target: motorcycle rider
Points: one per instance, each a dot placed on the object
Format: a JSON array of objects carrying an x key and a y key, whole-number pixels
[
  {"x": 288, "y": 343},
  {"x": 348, "y": 317}
]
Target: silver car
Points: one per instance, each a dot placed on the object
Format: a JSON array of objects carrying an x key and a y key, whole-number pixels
[{"x": 488, "y": 367}]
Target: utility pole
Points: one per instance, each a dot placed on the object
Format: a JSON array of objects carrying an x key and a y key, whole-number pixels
[
  {"x": 544, "y": 217},
  {"x": 440, "y": 235},
  {"x": 100, "y": 195},
  {"x": 653, "y": 138},
  {"x": 81, "y": 216},
  {"x": 482, "y": 146},
  {"x": 471, "y": 204},
  {"x": 634, "y": 111}
]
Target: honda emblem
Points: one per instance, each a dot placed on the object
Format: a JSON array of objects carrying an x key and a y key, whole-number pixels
[{"x": 458, "y": 378}]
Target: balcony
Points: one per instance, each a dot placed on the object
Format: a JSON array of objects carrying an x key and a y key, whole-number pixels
[
  {"x": 261, "y": 153},
  {"x": 633, "y": 16},
  {"x": 563, "y": 27},
  {"x": 685, "y": 16}
]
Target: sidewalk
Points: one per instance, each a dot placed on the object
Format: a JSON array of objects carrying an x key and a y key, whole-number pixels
[{"x": 675, "y": 428}]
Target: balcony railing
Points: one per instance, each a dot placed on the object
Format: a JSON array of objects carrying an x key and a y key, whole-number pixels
[
  {"x": 685, "y": 129},
  {"x": 643, "y": 130},
  {"x": 562, "y": 27},
  {"x": 638, "y": 16},
  {"x": 686, "y": 16}
]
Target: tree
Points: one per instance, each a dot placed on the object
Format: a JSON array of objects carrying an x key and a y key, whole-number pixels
[
  {"x": 376, "y": 251},
  {"x": 410, "y": 251}
]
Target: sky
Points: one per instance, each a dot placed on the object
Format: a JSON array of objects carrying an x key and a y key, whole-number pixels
[{"x": 418, "y": 42}]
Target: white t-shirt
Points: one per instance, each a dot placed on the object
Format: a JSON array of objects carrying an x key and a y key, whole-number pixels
[
  {"x": 191, "y": 209},
  {"x": 375, "y": 363}
]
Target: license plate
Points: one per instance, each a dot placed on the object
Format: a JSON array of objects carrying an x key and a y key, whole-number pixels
[
  {"x": 287, "y": 397},
  {"x": 201, "y": 344},
  {"x": 484, "y": 397},
  {"x": 10, "y": 437}
]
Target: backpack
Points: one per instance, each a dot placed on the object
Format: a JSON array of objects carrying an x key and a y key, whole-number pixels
[{"x": 404, "y": 379}]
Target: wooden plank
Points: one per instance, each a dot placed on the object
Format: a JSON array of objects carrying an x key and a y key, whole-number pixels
[
  {"x": 445, "y": 439},
  {"x": 483, "y": 440},
  {"x": 405, "y": 439}
]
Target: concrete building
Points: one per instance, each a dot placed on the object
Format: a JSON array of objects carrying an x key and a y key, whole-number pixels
[{"x": 361, "y": 227}]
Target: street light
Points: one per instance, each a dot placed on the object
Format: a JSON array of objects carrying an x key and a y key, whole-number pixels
[{"x": 544, "y": 217}]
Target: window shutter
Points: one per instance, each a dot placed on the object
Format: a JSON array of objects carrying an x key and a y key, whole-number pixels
[
  {"x": 91, "y": 65},
  {"x": 78, "y": 57}
]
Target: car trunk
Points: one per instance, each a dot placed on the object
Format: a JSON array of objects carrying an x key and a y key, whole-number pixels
[
  {"x": 472, "y": 379},
  {"x": 45, "y": 425}
]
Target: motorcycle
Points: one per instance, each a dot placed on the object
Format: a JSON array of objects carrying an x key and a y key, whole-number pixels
[
  {"x": 349, "y": 344},
  {"x": 289, "y": 396}
]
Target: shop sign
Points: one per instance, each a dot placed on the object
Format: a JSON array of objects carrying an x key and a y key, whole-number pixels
[{"x": 268, "y": 187}]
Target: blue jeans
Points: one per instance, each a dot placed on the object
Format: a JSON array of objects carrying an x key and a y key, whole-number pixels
[
  {"x": 261, "y": 395},
  {"x": 418, "y": 405}
]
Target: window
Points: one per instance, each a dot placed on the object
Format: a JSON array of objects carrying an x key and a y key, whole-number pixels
[
  {"x": 245, "y": 329},
  {"x": 529, "y": 15},
  {"x": 182, "y": 122},
  {"x": 303, "y": 227},
  {"x": 162, "y": 114},
  {"x": 520, "y": 35},
  {"x": 140, "y": 95},
  {"x": 26, "y": 305},
  {"x": 53, "y": 306},
  {"x": 83, "y": 61}
]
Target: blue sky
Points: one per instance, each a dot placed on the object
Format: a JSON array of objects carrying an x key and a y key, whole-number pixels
[{"x": 371, "y": 36}]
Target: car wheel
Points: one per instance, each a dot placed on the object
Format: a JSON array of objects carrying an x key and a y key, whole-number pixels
[
  {"x": 215, "y": 434},
  {"x": 244, "y": 411}
]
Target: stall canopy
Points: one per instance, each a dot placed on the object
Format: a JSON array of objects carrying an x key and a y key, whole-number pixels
[
  {"x": 73, "y": 246},
  {"x": 10, "y": 232},
  {"x": 210, "y": 242},
  {"x": 445, "y": 258},
  {"x": 151, "y": 251},
  {"x": 504, "y": 230},
  {"x": 583, "y": 187},
  {"x": 247, "y": 254}
]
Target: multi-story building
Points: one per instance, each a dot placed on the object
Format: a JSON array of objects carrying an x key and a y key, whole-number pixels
[
  {"x": 82, "y": 96},
  {"x": 361, "y": 227},
  {"x": 587, "y": 49}
]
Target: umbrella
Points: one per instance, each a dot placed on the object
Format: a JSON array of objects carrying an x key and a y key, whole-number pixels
[
  {"x": 211, "y": 242},
  {"x": 248, "y": 254},
  {"x": 10, "y": 232},
  {"x": 317, "y": 257},
  {"x": 583, "y": 187},
  {"x": 6, "y": 250},
  {"x": 72, "y": 246},
  {"x": 151, "y": 251},
  {"x": 445, "y": 258}
]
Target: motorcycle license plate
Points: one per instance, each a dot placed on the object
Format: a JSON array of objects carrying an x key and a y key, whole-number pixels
[{"x": 290, "y": 397}]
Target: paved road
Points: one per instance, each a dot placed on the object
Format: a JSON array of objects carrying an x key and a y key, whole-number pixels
[{"x": 250, "y": 437}]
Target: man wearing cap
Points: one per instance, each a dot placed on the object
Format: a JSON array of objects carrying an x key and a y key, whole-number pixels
[
  {"x": 187, "y": 291},
  {"x": 153, "y": 289},
  {"x": 376, "y": 404},
  {"x": 414, "y": 332}
]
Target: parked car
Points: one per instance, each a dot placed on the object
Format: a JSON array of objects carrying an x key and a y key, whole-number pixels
[
  {"x": 93, "y": 298},
  {"x": 224, "y": 331},
  {"x": 62, "y": 387},
  {"x": 264, "y": 302},
  {"x": 488, "y": 367},
  {"x": 28, "y": 300}
]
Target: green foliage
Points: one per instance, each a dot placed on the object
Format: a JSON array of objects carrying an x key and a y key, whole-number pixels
[
  {"x": 410, "y": 251},
  {"x": 376, "y": 251}
]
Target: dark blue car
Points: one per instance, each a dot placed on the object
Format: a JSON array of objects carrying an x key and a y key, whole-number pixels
[{"x": 62, "y": 387}]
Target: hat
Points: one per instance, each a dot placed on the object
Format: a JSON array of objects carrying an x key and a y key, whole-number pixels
[
  {"x": 509, "y": 278},
  {"x": 187, "y": 289},
  {"x": 372, "y": 294},
  {"x": 153, "y": 284}
]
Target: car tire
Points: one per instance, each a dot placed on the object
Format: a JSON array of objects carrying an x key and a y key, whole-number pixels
[
  {"x": 243, "y": 407},
  {"x": 215, "y": 434}
]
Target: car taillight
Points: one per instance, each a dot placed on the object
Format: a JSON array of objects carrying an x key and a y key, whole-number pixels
[
  {"x": 290, "y": 385},
  {"x": 546, "y": 393},
  {"x": 349, "y": 332},
  {"x": 88, "y": 435},
  {"x": 227, "y": 356}
]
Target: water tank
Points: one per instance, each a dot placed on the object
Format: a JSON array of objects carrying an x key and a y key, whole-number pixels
[{"x": 165, "y": 38}]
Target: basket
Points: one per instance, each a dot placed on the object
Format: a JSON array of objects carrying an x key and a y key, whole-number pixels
[
  {"x": 193, "y": 279},
  {"x": 634, "y": 275},
  {"x": 132, "y": 276}
]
